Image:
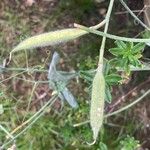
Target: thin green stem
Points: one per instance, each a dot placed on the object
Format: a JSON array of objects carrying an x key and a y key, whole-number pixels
[
  {"x": 133, "y": 15},
  {"x": 118, "y": 111},
  {"x": 42, "y": 70},
  {"x": 128, "y": 106},
  {"x": 110, "y": 36},
  {"x": 10, "y": 135},
  {"x": 99, "y": 25},
  {"x": 30, "y": 99},
  {"x": 26, "y": 57},
  {"x": 23, "y": 69},
  {"x": 102, "y": 48},
  {"x": 135, "y": 69},
  {"x": 11, "y": 77},
  {"x": 34, "y": 81}
]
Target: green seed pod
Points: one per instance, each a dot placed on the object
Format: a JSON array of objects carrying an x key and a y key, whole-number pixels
[
  {"x": 50, "y": 38},
  {"x": 97, "y": 103}
]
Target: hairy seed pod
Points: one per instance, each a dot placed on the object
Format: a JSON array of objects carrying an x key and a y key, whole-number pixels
[
  {"x": 97, "y": 103},
  {"x": 50, "y": 38}
]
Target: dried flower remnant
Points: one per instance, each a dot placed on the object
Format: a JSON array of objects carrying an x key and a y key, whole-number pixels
[{"x": 58, "y": 81}]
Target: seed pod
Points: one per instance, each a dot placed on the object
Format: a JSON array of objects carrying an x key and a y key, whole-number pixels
[
  {"x": 50, "y": 38},
  {"x": 97, "y": 103}
]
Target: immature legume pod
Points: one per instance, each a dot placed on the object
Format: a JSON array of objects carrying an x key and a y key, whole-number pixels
[
  {"x": 50, "y": 38},
  {"x": 97, "y": 103}
]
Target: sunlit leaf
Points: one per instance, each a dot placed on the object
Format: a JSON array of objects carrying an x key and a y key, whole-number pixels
[
  {"x": 120, "y": 44},
  {"x": 138, "y": 48},
  {"x": 116, "y": 51}
]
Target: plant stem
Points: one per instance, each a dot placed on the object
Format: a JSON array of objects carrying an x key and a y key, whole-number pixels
[
  {"x": 12, "y": 77},
  {"x": 30, "y": 98},
  {"x": 9, "y": 134},
  {"x": 102, "y": 48},
  {"x": 98, "y": 25},
  {"x": 32, "y": 70},
  {"x": 111, "y": 36},
  {"x": 23, "y": 69},
  {"x": 133, "y": 15},
  {"x": 128, "y": 106},
  {"x": 35, "y": 117},
  {"x": 118, "y": 111}
]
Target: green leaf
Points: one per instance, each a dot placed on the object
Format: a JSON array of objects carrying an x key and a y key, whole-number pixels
[
  {"x": 126, "y": 55},
  {"x": 102, "y": 146},
  {"x": 116, "y": 51},
  {"x": 129, "y": 46},
  {"x": 124, "y": 62},
  {"x": 113, "y": 62},
  {"x": 132, "y": 60},
  {"x": 116, "y": 62},
  {"x": 108, "y": 96},
  {"x": 120, "y": 44},
  {"x": 113, "y": 79},
  {"x": 129, "y": 143},
  {"x": 138, "y": 48},
  {"x": 106, "y": 67},
  {"x": 137, "y": 62}
]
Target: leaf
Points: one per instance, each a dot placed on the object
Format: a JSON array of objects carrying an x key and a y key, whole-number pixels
[
  {"x": 106, "y": 68},
  {"x": 129, "y": 46},
  {"x": 120, "y": 44},
  {"x": 103, "y": 146},
  {"x": 138, "y": 56},
  {"x": 129, "y": 143},
  {"x": 132, "y": 61},
  {"x": 108, "y": 96},
  {"x": 114, "y": 62},
  {"x": 113, "y": 79},
  {"x": 124, "y": 62},
  {"x": 136, "y": 63},
  {"x": 50, "y": 38},
  {"x": 138, "y": 48},
  {"x": 116, "y": 51},
  {"x": 97, "y": 103}
]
